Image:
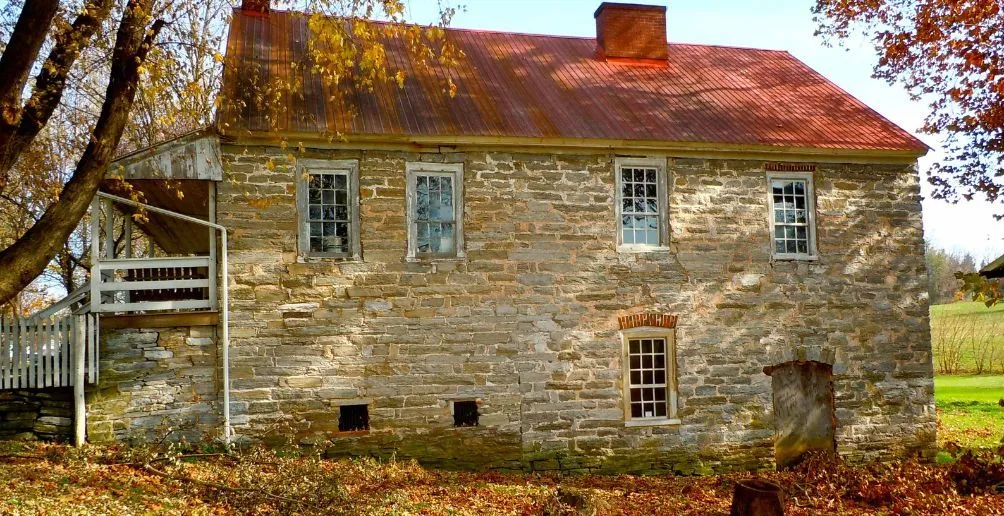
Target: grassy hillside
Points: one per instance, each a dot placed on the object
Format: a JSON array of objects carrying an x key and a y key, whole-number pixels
[{"x": 964, "y": 333}]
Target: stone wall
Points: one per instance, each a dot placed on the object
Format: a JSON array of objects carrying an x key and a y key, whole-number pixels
[
  {"x": 527, "y": 322},
  {"x": 45, "y": 414},
  {"x": 156, "y": 384}
]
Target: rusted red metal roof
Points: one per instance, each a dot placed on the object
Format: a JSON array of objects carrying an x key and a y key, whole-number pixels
[{"x": 551, "y": 87}]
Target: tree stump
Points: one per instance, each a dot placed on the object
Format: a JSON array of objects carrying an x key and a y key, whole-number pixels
[{"x": 757, "y": 497}]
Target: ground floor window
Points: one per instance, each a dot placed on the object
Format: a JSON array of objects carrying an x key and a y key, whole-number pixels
[
  {"x": 352, "y": 418},
  {"x": 649, "y": 376},
  {"x": 465, "y": 413}
]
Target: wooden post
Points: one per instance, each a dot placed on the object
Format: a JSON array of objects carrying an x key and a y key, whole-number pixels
[
  {"x": 109, "y": 230},
  {"x": 95, "y": 254},
  {"x": 127, "y": 238},
  {"x": 127, "y": 235},
  {"x": 79, "y": 406},
  {"x": 212, "y": 247}
]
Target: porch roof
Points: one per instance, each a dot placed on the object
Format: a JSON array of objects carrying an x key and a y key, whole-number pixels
[{"x": 174, "y": 175}]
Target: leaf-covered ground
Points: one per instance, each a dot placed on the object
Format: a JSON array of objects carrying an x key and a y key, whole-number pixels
[{"x": 51, "y": 479}]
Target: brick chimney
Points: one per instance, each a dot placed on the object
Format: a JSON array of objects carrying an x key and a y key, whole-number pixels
[
  {"x": 631, "y": 31},
  {"x": 258, "y": 6}
]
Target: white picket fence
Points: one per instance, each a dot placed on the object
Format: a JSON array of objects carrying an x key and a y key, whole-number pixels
[{"x": 39, "y": 352}]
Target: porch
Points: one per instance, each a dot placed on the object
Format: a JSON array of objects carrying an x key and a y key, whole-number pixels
[
  {"x": 156, "y": 259},
  {"x": 158, "y": 248}
]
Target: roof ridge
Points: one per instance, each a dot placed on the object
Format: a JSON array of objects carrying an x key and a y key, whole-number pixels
[{"x": 537, "y": 34}]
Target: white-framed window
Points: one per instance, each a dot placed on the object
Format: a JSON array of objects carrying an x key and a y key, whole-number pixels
[
  {"x": 435, "y": 207},
  {"x": 792, "y": 216},
  {"x": 328, "y": 208},
  {"x": 642, "y": 211},
  {"x": 650, "y": 389}
]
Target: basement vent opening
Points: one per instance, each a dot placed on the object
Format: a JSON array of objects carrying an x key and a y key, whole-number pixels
[
  {"x": 465, "y": 413},
  {"x": 352, "y": 418}
]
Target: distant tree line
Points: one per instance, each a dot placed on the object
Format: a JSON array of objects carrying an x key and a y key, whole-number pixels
[{"x": 942, "y": 284}]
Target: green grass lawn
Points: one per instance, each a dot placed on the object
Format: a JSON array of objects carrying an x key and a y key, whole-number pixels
[{"x": 968, "y": 410}]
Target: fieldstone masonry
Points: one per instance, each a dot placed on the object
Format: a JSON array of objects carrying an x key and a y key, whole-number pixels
[
  {"x": 29, "y": 415},
  {"x": 527, "y": 323},
  {"x": 156, "y": 384}
]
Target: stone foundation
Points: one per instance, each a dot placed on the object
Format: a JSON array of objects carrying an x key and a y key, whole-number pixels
[
  {"x": 156, "y": 384},
  {"x": 45, "y": 414}
]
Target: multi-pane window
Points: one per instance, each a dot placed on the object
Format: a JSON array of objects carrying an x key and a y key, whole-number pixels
[
  {"x": 639, "y": 206},
  {"x": 435, "y": 198},
  {"x": 648, "y": 374},
  {"x": 640, "y": 201},
  {"x": 328, "y": 217},
  {"x": 434, "y": 214},
  {"x": 328, "y": 206},
  {"x": 791, "y": 217}
]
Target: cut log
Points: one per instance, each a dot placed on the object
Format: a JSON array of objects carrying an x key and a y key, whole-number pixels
[{"x": 757, "y": 497}]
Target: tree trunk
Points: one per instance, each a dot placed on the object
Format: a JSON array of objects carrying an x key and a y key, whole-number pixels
[
  {"x": 28, "y": 257},
  {"x": 22, "y": 49},
  {"x": 757, "y": 497},
  {"x": 19, "y": 126}
]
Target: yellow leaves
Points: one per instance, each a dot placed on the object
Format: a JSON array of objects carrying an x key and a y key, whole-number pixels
[
  {"x": 357, "y": 50},
  {"x": 270, "y": 165}
]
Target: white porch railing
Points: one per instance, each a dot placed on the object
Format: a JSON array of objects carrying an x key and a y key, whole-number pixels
[
  {"x": 148, "y": 284},
  {"x": 124, "y": 284},
  {"x": 36, "y": 353}
]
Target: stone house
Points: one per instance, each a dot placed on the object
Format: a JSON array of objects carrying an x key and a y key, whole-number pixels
[{"x": 606, "y": 254}]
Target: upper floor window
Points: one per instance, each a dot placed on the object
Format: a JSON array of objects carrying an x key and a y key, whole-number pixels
[
  {"x": 435, "y": 210},
  {"x": 792, "y": 216},
  {"x": 328, "y": 204},
  {"x": 641, "y": 204},
  {"x": 650, "y": 376}
]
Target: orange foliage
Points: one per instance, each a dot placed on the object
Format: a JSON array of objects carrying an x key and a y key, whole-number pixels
[
  {"x": 262, "y": 481},
  {"x": 949, "y": 53}
]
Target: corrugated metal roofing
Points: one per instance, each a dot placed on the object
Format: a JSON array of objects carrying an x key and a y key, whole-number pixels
[{"x": 520, "y": 85}]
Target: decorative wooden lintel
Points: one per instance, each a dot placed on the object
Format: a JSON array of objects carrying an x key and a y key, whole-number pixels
[
  {"x": 774, "y": 166},
  {"x": 647, "y": 319}
]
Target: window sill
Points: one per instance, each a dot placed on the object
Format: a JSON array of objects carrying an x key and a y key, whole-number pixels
[
  {"x": 628, "y": 248},
  {"x": 333, "y": 258},
  {"x": 652, "y": 422},
  {"x": 435, "y": 259},
  {"x": 795, "y": 257}
]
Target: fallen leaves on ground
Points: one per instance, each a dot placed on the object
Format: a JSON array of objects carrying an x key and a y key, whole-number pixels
[{"x": 55, "y": 479}]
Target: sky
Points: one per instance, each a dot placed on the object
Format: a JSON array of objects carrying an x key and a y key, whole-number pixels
[{"x": 774, "y": 24}]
